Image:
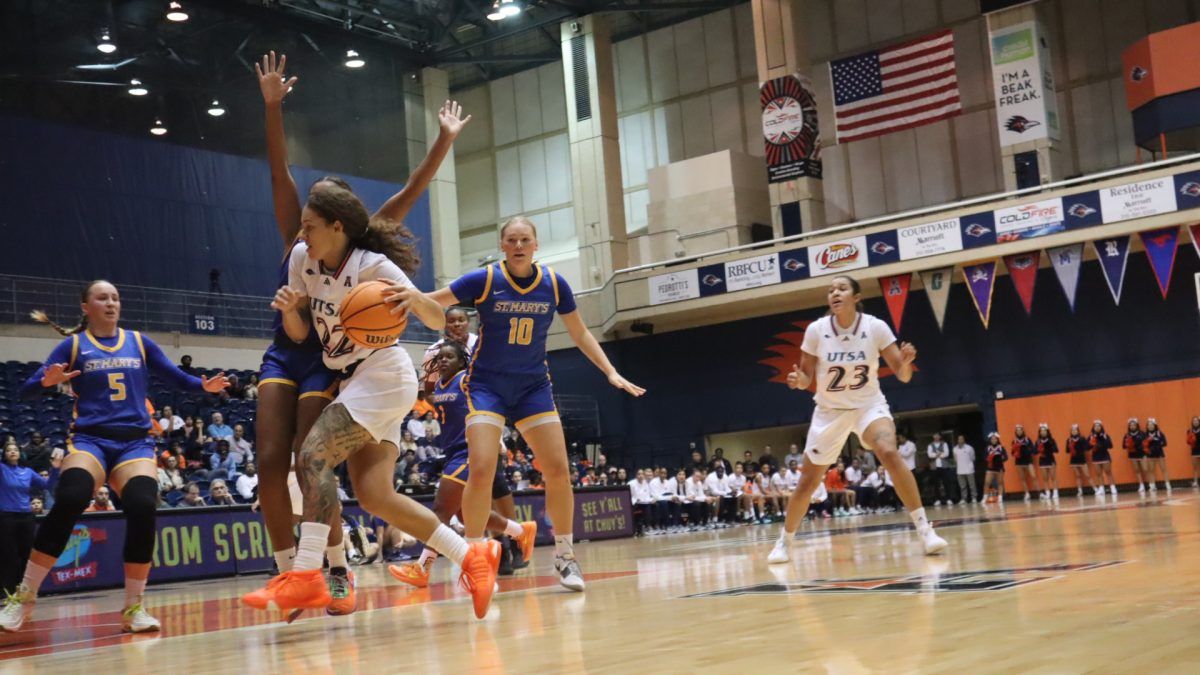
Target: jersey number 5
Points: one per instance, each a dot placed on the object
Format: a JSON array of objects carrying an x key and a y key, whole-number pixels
[
  {"x": 117, "y": 384},
  {"x": 520, "y": 331},
  {"x": 861, "y": 376}
]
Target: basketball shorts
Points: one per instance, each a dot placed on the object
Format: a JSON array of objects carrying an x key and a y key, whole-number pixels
[
  {"x": 298, "y": 368},
  {"x": 380, "y": 393},
  {"x": 110, "y": 454},
  {"x": 528, "y": 400},
  {"x": 831, "y": 428},
  {"x": 458, "y": 469}
]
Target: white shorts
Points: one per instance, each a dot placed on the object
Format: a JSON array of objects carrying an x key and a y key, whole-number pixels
[
  {"x": 380, "y": 393},
  {"x": 830, "y": 428}
]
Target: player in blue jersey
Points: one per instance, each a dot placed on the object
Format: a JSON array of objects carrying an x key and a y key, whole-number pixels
[
  {"x": 109, "y": 370},
  {"x": 450, "y": 401},
  {"x": 508, "y": 379},
  {"x": 294, "y": 385}
]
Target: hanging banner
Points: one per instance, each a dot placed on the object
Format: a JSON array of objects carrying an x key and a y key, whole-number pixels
[
  {"x": 937, "y": 287},
  {"x": 1160, "y": 251},
  {"x": 790, "y": 133},
  {"x": 1022, "y": 270},
  {"x": 1195, "y": 237},
  {"x": 981, "y": 281},
  {"x": 1067, "y": 261},
  {"x": 1112, "y": 254},
  {"x": 1026, "y": 106},
  {"x": 895, "y": 292}
]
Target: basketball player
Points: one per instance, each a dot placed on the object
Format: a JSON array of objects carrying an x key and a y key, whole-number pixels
[
  {"x": 109, "y": 370},
  {"x": 1047, "y": 448},
  {"x": 841, "y": 354},
  {"x": 1156, "y": 457},
  {"x": 508, "y": 378},
  {"x": 993, "y": 480},
  {"x": 1134, "y": 445},
  {"x": 342, "y": 248},
  {"x": 1102, "y": 458},
  {"x": 458, "y": 326},
  {"x": 294, "y": 384},
  {"x": 1077, "y": 451},
  {"x": 450, "y": 400},
  {"x": 1193, "y": 439},
  {"x": 1022, "y": 452}
]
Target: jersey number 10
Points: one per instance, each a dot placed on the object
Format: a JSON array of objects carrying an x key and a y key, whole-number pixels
[{"x": 520, "y": 331}]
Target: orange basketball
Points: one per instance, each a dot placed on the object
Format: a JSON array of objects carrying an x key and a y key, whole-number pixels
[{"x": 367, "y": 318}]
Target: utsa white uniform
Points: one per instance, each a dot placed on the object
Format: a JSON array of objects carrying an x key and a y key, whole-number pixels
[
  {"x": 378, "y": 386},
  {"x": 848, "y": 395}
]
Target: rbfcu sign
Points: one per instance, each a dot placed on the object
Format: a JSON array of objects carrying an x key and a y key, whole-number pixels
[
  {"x": 675, "y": 286},
  {"x": 752, "y": 272}
]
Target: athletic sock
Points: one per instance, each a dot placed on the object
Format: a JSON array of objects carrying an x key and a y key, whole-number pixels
[
  {"x": 311, "y": 552},
  {"x": 135, "y": 587},
  {"x": 35, "y": 574},
  {"x": 513, "y": 529},
  {"x": 428, "y": 556},
  {"x": 785, "y": 536},
  {"x": 447, "y": 542},
  {"x": 337, "y": 556},
  {"x": 564, "y": 545},
  {"x": 919, "y": 520},
  {"x": 284, "y": 559}
]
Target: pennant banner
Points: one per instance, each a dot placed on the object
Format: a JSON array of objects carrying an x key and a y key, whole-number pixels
[
  {"x": 1195, "y": 237},
  {"x": 1160, "y": 250},
  {"x": 1022, "y": 269},
  {"x": 981, "y": 281},
  {"x": 895, "y": 291},
  {"x": 1112, "y": 254},
  {"x": 1067, "y": 261},
  {"x": 937, "y": 288}
]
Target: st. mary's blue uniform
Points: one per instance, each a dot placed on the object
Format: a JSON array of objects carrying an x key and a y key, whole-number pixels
[
  {"x": 111, "y": 423},
  {"x": 508, "y": 376},
  {"x": 296, "y": 365},
  {"x": 450, "y": 400}
]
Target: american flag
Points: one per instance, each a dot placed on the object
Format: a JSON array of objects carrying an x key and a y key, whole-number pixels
[{"x": 896, "y": 88}]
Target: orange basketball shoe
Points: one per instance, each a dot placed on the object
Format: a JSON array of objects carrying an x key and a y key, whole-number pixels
[
  {"x": 301, "y": 589},
  {"x": 410, "y": 573},
  {"x": 527, "y": 538},
  {"x": 341, "y": 590},
  {"x": 261, "y": 598},
  {"x": 479, "y": 571}
]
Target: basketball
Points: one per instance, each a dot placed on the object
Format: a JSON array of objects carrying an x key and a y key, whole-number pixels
[{"x": 367, "y": 318}]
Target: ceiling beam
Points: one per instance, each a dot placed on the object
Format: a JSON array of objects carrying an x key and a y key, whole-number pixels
[{"x": 544, "y": 57}]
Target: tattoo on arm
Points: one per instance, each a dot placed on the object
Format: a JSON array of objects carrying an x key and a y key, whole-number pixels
[{"x": 334, "y": 437}]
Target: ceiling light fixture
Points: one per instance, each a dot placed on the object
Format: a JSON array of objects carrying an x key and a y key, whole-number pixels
[
  {"x": 176, "y": 13},
  {"x": 159, "y": 129},
  {"x": 106, "y": 45},
  {"x": 136, "y": 88},
  {"x": 509, "y": 8},
  {"x": 215, "y": 109},
  {"x": 495, "y": 14},
  {"x": 353, "y": 60}
]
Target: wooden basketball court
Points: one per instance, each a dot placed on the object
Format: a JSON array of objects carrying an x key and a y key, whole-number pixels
[{"x": 1092, "y": 585}]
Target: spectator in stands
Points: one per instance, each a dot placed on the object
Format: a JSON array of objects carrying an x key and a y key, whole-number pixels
[
  {"x": 697, "y": 500},
  {"x": 773, "y": 490},
  {"x": 943, "y": 470},
  {"x": 964, "y": 463},
  {"x": 854, "y": 476},
  {"x": 408, "y": 443},
  {"x": 719, "y": 460},
  {"x": 589, "y": 478},
  {"x": 521, "y": 463},
  {"x": 885, "y": 491},
  {"x": 37, "y": 453},
  {"x": 221, "y": 464},
  {"x": 417, "y": 428},
  {"x": 602, "y": 480},
  {"x": 171, "y": 424},
  {"x": 102, "y": 501},
  {"x": 169, "y": 476},
  {"x": 752, "y": 495},
  {"x": 16, "y": 522},
  {"x": 716, "y": 484},
  {"x": 192, "y": 496},
  {"x": 866, "y": 460},
  {"x": 643, "y": 503},
  {"x": 518, "y": 482},
  {"x": 576, "y": 480},
  {"x": 748, "y": 463},
  {"x": 218, "y": 494},
  {"x": 36, "y": 507},
  {"x": 908, "y": 451},
  {"x": 820, "y": 503},
  {"x": 47, "y": 494},
  {"x": 218, "y": 429},
  {"x": 250, "y": 393},
  {"x": 247, "y": 483},
  {"x": 768, "y": 457},
  {"x": 535, "y": 480},
  {"x": 422, "y": 406},
  {"x": 432, "y": 428},
  {"x": 185, "y": 364},
  {"x": 240, "y": 448},
  {"x": 414, "y": 478},
  {"x": 193, "y": 433},
  {"x": 794, "y": 455},
  {"x": 791, "y": 477},
  {"x": 601, "y": 463},
  {"x": 843, "y": 498},
  {"x": 406, "y": 463}
]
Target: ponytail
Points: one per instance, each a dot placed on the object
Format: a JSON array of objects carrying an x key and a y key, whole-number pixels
[
  {"x": 41, "y": 317},
  {"x": 393, "y": 239}
]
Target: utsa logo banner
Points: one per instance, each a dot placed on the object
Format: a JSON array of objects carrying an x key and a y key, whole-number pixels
[
  {"x": 895, "y": 292},
  {"x": 981, "y": 281},
  {"x": 937, "y": 288}
]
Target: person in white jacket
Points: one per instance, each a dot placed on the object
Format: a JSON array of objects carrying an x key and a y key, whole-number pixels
[
  {"x": 643, "y": 502},
  {"x": 964, "y": 464},
  {"x": 719, "y": 491},
  {"x": 697, "y": 500}
]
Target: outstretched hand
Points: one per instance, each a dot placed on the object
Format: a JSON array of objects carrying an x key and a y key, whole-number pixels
[
  {"x": 271, "y": 79},
  {"x": 56, "y": 374},
  {"x": 450, "y": 118},
  {"x": 214, "y": 384},
  {"x": 621, "y": 383}
]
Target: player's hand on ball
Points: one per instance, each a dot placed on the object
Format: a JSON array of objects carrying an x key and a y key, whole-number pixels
[
  {"x": 400, "y": 297},
  {"x": 793, "y": 378},
  {"x": 215, "y": 384},
  {"x": 908, "y": 353},
  {"x": 56, "y": 374},
  {"x": 287, "y": 299},
  {"x": 621, "y": 383}
]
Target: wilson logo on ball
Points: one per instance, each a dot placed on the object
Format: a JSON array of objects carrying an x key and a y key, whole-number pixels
[{"x": 838, "y": 255}]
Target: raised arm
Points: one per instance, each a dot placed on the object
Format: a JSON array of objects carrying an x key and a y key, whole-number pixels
[
  {"x": 52, "y": 373},
  {"x": 587, "y": 344},
  {"x": 283, "y": 187},
  {"x": 450, "y": 122}
]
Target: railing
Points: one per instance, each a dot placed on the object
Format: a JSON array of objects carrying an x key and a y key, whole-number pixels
[{"x": 155, "y": 309}]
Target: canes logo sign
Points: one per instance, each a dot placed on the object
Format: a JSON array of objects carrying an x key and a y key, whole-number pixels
[{"x": 838, "y": 256}]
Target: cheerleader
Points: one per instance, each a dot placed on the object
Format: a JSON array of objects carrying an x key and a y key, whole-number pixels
[
  {"x": 1022, "y": 452},
  {"x": 1047, "y": 448},
  {"x": 1101, "y": 459},
  {"x": 1155, "y": 463},
  {"x": 1133, "y": 444},
  {"x": 1193, "y": 439},
  {"x": 1077, "y": 451},
  {"x": 993, "y": 480}
]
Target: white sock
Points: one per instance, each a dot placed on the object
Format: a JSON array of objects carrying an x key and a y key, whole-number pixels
[
  {"x": 447, "y": 542},
  {"x": 919, "y": 520},
  {"x": 134, "y": 589},
  {"x": 427, "y": 557},
  {"x": 35, "y": 574},
  {"x": 336, "y": 556},
  {"x": 311, "y": 552},
  {"x": 564, "y": 545},
  {"x": 284, "y": 559},
  {"x": 785, "y": 536},
  {"x": 513, "y": 529}
]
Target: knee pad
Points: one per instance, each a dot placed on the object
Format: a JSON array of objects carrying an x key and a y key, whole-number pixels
[
  {"x": 74, "y": 493},
  {"x": 139, "y": 501}
]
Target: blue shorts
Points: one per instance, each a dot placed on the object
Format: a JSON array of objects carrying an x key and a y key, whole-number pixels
[
  {"x": 298, "y": 368},
  {"x": 527, "y": 400},
  {"x": 110, "y": 454},
  {"x": 458, "y": 469}
]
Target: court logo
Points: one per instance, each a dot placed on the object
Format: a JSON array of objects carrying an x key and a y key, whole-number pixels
[{"x": 975, "y": 581}]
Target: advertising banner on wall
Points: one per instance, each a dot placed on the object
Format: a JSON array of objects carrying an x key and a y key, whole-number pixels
[
  {"x": 761, "y": 270},
  {"x": 790, "y": 132},
  {"x": 1137, "y": 200},
  {"x": 674, "y": 286},
  {"x": 926, "y": 239},
  {"x": 1026, "y": 108},
  {"x": 1030, "y": 220},
  {"x": 838, "y": 256}
]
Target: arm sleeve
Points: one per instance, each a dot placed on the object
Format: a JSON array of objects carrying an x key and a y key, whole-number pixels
[
  {"x": 566, "y": 297},
  {"x": 160, "y": 365},
  {"x": 60, "y": 354},
  {"x": 882, "y": 334},
  {"x": 469, "y": 286},
  {"x": 811, "y": 343}
]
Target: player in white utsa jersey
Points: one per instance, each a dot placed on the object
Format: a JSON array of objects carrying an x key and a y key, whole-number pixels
[
  {"x": 362, "y": 426},
  {"x": 841, "y": 352}
]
